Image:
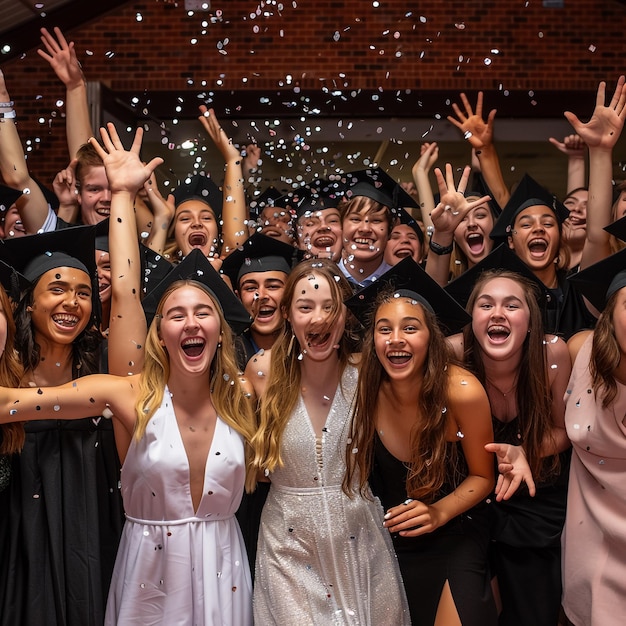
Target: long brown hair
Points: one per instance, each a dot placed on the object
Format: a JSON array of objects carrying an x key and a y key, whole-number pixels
[
  {"x": 12, "y": 439},
  {"x": 532, "y": 393},
  {"x": 283, "y": 386},
  {"x": 232, "y": 404},
  {"x": 429, "y": 451},
  {"x": 605, "y": 355}
]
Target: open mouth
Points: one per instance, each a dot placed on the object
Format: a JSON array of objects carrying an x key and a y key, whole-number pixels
[
  {"x": 103, "y": 211},
  {"x": 324, "y": 242},
  {"x": 197, "y": 239},
  {"x": 498, "y": 334},
  {"x": 65, "y": 320},
  {"x": 475, "y": 242},
  {"x": 402, "y": 253},
  {"x": 265, "y": 312},
  {"x": 537, "y": 247},
  {"x": 272, "y": 232},
  {"x": 193, "y": 347},
  {"x": 316, "y": 340},
  {"x": 399, "y": 357}
]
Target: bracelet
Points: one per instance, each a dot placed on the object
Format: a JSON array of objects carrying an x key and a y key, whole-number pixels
[
  {"x": 438, "y": 249},
  {"x": 6, "y": 105},
  {"x": 8, "y": 115}
]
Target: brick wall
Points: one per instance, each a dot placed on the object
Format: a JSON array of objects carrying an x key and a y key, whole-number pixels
[{"x": 397, "y": 45}]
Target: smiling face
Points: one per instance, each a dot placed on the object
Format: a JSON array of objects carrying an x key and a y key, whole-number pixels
[
  {"x": 276, "y": 222},
  {"x": 260, "y": 294},
  {"x": 575, "y": 226},
  {"x": 313, "y": 317},
  {"x": 319, "y": 233},
  {"x": 12, "y": 224},
  {"x": 94, "y": 196},
  {"x": 195, "y": 226},
  {"x": 103, "y": 265},
  {"x": 501, "y": 318},
  {"x": 472, "y": 234},
  {"x": 62, "y": 305},
  {"x": 403, "y": 242},
  {"x": 535, "y": 237},
  {"x": 619, "y": 208},
  {"x": 189, "y": 330},
  {"x": 401, "y": 338},
  {"x": 365, "y": 233}
]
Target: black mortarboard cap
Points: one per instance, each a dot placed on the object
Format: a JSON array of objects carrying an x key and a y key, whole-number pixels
[
  {"x": 195, "y": 266},
  {"x": 102, "y": 235},
  {"x": 260, "y": 253},
  {"x": 34, "y": 255},
  {"x": 376, "y": 184},
  {"x": 318, "y": 195},
  {"x": 8, "y": 197},
  {"x": 409, "y": 220},
  {"x": 527, "y": 193},
  {"x": 501, "y": 257},
  {"x": 617, "y": 228},
  {"x": 155, "y": 267},
  {"x": 407, "y": 276},
  {"x": 12, "y": 281},
  {"x": 199, "y": 187},
  {"x": 600, "y": 281},
  {"x": 266, "y": 198}
]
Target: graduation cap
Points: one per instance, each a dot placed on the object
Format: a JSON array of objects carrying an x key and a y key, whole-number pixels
[
  {"x": 264, "y": 199},
  {"x": 501, "y": 257},
  {"x": 260, "y": 253},
  {"x": 617, "y": 228},
  {"x": 376, "y": 184},
  {"x": 409, "y": 279},
  {"x": 195, "y": 266},
  {"x": 34, "y": 255},
  {"x": 8, "y": 197},
  {"x": 318, "y": 195},
  {"x": 407, "y": 219},
  {"x": 479, "y": 189},
  {"x": 600, "y": 281},
  {"x": 202, "y": 188},
  {"x": 13, "y": 282},
  {"x": 155, "y": 267},
  {"x": 528, "y": 193},
  {"x": 102, "y": 235}
]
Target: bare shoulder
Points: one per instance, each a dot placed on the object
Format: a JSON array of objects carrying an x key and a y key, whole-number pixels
[
  {"x": 463, "y": 386},
  {"x": 257, "y": 371},
  {"x": 247, "y": 387},
  {"x": 575, "y": 343},
  {"x": 455, "y": 343}
]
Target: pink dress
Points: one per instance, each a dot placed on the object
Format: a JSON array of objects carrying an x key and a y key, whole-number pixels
[{"x": 594, "y": 539}]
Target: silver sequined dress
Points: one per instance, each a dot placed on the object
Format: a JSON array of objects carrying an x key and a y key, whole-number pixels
[{"x": 323, "y": 558}]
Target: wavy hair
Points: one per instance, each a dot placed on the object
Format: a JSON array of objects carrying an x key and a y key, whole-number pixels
[
  {"x": 532, "y": 393},
  {"x": 283, "y": 386},
  {"x": 356, "y": 204},
  {"x": 12, "y": 439},
  {"x": 431, "y": 457},
  {"x": 605, "y": 355},
  {"x": 231, "y": 402}
]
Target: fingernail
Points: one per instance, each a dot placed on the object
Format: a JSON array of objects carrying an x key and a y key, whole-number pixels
[{"x": 387, "y": 515}]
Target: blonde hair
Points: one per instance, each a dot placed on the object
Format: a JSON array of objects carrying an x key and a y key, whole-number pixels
[
  {"x": 232, "y": 404},
  {"x": 283, "y": 385}
]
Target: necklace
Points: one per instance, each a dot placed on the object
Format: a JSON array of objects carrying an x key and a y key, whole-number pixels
[{"x": 503, "y": 393}]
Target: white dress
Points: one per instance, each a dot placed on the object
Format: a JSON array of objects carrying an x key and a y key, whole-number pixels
[
  {"x": 324, "y": 558},
  {"x": 176, "y": 566}
]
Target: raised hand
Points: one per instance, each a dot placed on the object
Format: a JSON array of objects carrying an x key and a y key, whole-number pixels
[
  {"x": 453, "y": 206},
  {"x": 475, "y": 129},
  {"x": 221, "y": 140},
  {"x": 605, "y": 126},
  {"x": 513, "y": 470},
  {"x": 64, "y": 184},
  {"x": 124, "y": 168},
  {"x": 572, "y": 146},
  {"x": 62, "y": 57},
  {"x": 429, "y": 153}
]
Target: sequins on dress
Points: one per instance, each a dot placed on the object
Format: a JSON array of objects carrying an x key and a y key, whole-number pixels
[
  {"x": 176, "y": 565},
  {"x": 323, "y": 558}
]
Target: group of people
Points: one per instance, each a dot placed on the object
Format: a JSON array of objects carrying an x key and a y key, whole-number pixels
[{"x": 355, "y": 403}]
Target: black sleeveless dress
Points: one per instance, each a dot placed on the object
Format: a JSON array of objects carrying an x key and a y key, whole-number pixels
[{"x": 456, "y": 552}]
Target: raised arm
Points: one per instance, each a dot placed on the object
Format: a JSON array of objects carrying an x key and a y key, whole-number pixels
[
  {"x": 62, "y": 58},
  {"x": 447, "y": 215},
  {"x": 126, "y": 174},
  {"x": 479, "y": 133},
  {"x": 573, "y": 147},
  {"x": 429, "y": 153},
  {"x": 234, "y": 209},
  {"x": 32, "y": 205},
  {"x": 600, "y": 134}
]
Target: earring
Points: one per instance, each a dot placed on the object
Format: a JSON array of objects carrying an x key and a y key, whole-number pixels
[{"x": 290, "y": 347}]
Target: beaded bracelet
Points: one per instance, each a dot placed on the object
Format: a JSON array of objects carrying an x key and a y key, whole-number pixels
[
  {"x": 437, "y": 248},
  {"x": 6, "y": 105}
]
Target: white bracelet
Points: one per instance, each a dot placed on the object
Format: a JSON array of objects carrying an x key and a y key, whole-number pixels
[{"x": 7, "y": 114}]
